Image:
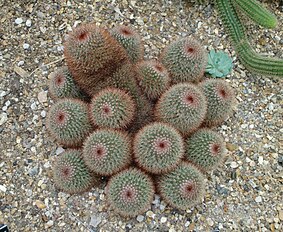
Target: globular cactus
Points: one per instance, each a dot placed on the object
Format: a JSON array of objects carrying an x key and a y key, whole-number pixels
[
  {"x": 68, "y": 122},
  {"x": 92, "y": 54},
  {"x": 158, "y": 148},
  {"x": 220, "y": 101},
  {"x": 205, "y": 149},
  {"x": 183, "y": 106},
  {"x": 62, "y": 85},
  {"x": 130, "y": 40},
  {"x": 153, "y": 78},
  {"x": 185, "y": 60},
  {"x": 112, "y": 108},
  {"x": 130, "y": 192},
  {"x": 183, "y": 187},
  {"x": 70, "y": 173},
  {"x": 106, "y": 151}
]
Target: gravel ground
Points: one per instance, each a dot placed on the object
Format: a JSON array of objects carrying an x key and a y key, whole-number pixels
[{"x": 244, "y": 195}]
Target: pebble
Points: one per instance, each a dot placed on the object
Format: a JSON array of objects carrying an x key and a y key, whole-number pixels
[
  {"x": 49, "y": 224},
  {"x": 18, "y": 21},
  {"x": 21, "y": 63},
  {"x": 258, "y": 199},
  {"x": 33, "y": 106},
  {"x": 3, "y": 118},
  {"x": 43, "y": 113},
  {"x": 210, "y": 222},
  {"x": 42, "y": 96},
  {"x": 3, "y": 188},
  {"x": 95, "y": 220},
  {"x": 234, "y": 165},
  {"x": 40, "y": 204},
  {"x": 59, "y": 150},
  {"x": 26, "y": 46},
  {"x": 140, "y": 218},
  {"x": 231, "y": 147},
  {"x": 150, "y": 214},
  {"x": 28, "y": 23},
  {"x": 280, "y": 215},
  {"x": 163, "y": 219},
  {"x": 260, "y": 160}
]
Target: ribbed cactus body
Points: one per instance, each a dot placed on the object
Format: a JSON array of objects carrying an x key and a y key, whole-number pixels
[
  {"x": 71, "y": 174},
  {"x": 220, "y": 101},
  {"x": 106, "y": 152},
  {"x": 153, "y": 78},
  {"x": 205, "y": 149},
  {"x": 62, "y": 85},
  {"x": 158, "y": 148},
  {"x": 92, "y": 54},
  {"x": 68, "y": 122},
  {"x": 112, "y": 108},
  {"x": 185, "y": 60},
  {"x": 183, "y": 106},
  {"x": 256, "y": 12},
  {"x": 130, "y": 192},
  {"x": 183, "y": 187},
  {"x": 130, "y": 40},
  {"x": 251, "y": 60}
]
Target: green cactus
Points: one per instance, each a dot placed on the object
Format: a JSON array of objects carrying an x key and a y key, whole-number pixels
[
  {"x": 68, "y": 122},
  {"x": 205, "y": 149},
  {"x": 130, "y": 192},
  {"x": 220, "y": 101},
  {"x": 71, "y": 174},
  {"x": 106, "y": 151},
  {"x": 256, "y": 12},
  {"x": 158, "y": 148},
  {"x": 182, "y": 188},
  {"x": 251, "y": 60},
  {"x": 112, "y": 108},
  {"x": 62, "y": 85},
  {"x": 92, "y": 54},
  {"x": 185, "y": 60},
  {"x": 153, "y": 78},
  {"x": 183, "y": 106},
  {"x": 130, "y": 40}
]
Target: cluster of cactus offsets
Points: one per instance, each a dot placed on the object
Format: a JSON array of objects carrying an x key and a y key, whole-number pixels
[{"x": 144, "y": 128}]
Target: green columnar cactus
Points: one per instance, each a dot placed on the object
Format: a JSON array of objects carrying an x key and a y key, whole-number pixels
[
  {"x": 130, "y": 192},
  {"x": 158, "y": 148},
  {"x": 183, "y": 106},
  {"x": 182, "y": 188},
  {"x": 185, "y": 60},
  {"x": 205, "y": 149},
  {"x": 112, "y": 108},
  {"x": 71, "y": 174},
  {"x": 256, "y": 12},
  {"x": 68, "y": 122},
  {"x": 130, "y": 40},
  {"x": 250, "y": 59},
  {"x": 106, "y": 151},
  {"x": 220, "y": 101},
  {"x": 92, "y": 54},
  {"x": 153, "y": 78},
  {"x": 62, "y": 85}
]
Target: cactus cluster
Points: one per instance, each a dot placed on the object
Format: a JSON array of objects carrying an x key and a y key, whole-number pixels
[{"x": 146, "y": 125}]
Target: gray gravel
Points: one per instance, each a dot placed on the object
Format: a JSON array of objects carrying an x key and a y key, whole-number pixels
[{"x": 245, "y": 194}]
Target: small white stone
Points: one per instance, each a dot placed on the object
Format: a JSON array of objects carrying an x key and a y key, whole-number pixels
[
  {"x": 140, "y": 218},
  {"x": 42, "y": 97},
  {"x": 172, "y": 230},
  {"x": 258, "y": 199},
  {"x": 28, "y": 23},
  {"x": 3, "y": 93},
  {"x": 20, "y": 63},
  {"x": 3, "y": 188},
  {"x": 210, "y": 222},
  {"x": 26, "y": 46},
  {"x": 43, "y": 113},
  {"x": 260, "y": 160},
  {"x": 49, "y": 224},
  {"x": 59, "y": 150},
  {"x": 163, "y": 219},
  {"x": 150, "y": 214},
  {"x": 187, "y": 224},
  {"x": 162, "y": 207},
  {"x": 18, "y": 21},
  {"x": 234, "y": 165},
  {"x": 33, "y": 106},
  {"x": 3, "y": 118}
]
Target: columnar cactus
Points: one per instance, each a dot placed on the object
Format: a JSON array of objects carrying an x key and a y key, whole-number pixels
[
  {"x": 185, "y": 60},
  {"x": 130, "y": 192},
  {"x": 70, "y": 173},
  {"x": 183, "y": 106},
  {"x": 158, "y": 148},
  {"x": 68, "y": 122}
]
